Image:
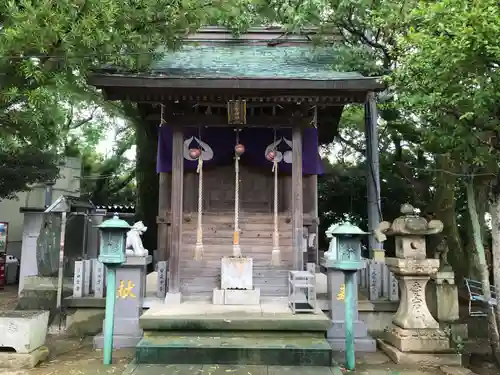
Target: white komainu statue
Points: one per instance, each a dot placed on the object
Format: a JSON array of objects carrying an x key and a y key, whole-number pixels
[{"x": 134, "y": 245}]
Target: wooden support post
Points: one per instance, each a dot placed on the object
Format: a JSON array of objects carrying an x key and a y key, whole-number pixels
[
  {"x": 174, "y": 291},
  {"x": 297, "y": 201},
  {"x": 315, "y": 214},
  {"x": 164, "y": 196},
  {"x": 373, "y": 176},
  {"x": 163, "y": 220}
]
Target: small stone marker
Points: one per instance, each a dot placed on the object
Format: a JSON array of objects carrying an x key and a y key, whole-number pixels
[
  {"x": 78, "y": 279},
  {"x": 98, "y": 278},
  {"x": 161, "y": 285},
  {"x": 87, "y": 273}
]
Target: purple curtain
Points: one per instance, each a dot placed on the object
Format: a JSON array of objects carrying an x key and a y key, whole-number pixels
[{"x": 217, "y": 144}]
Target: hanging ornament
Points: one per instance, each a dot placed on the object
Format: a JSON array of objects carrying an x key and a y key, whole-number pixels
[
  {"x": 276, "y": 253},
  {"x": 271, "y": 155},
  {"x": 194, "y": 153},
  {"x": 239, "y": 149}
]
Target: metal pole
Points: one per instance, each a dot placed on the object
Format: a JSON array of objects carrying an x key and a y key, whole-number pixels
[
  {"x": 373, "y": 171},
  {"x": 85, "y": 233},
  {"x": 109, "y": 314},
  {"x": 349, "y": 320},
  {"x": 60, "y": 274},
  {"x": 48, "y": 193}
]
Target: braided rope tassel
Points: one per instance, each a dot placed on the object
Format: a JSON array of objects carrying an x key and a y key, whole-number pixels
[
  {"x": 198, "y": 250},
  {"x": 276, "y": 253},
  {"x": 236, "y": 235},
  {"x": 239, "y": 149}
]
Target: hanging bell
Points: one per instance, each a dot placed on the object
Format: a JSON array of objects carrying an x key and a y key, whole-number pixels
[
  {"x": 271, "y": 155},
  {"x": 239, "y": 149},
  {"x": 194, "y": 153}
]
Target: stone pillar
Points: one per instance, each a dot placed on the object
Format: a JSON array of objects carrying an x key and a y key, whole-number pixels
[
  {"x": 336, "y": 334},
  {"x": 130, "y": 292},
  {"x": 414, "y": 335}
]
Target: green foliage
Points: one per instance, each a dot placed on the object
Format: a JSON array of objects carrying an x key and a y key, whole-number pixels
[
  {"x": 448, "y": 77},
  {"x": 36, "y": 166},
  {"x": 47, "y": 50},
  {"x": 110, "y": 179}
]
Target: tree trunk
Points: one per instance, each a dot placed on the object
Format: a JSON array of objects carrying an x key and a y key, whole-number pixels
[
  {"x": 485, "y": 277},
  {"x": 444, "y": 207},
  {"x": 147, "y": 181},
  {"x": 495, "y": 246}
]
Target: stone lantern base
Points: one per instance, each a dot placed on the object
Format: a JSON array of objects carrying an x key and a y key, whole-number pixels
[{"x": 412, "y": 358}]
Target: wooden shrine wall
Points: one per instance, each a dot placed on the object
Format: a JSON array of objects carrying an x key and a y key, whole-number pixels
[
  {"x": 198, "y": 278},
  {"x": 256, "y": 191}
]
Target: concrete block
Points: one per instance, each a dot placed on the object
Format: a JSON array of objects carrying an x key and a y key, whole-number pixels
[
  {"x": 242, "y": 297},
  {"x": 23, "y": 360},
  {"x": 173, "y": 298},
  {"x": 363, "y": 345},
  {"x": 24, "y": 331},
  {"x": 218, "y": 296},
  {"x": 119, "y": 341},
  {"x": 236, "y": 273},
  {"x": 421, "y": 359}
]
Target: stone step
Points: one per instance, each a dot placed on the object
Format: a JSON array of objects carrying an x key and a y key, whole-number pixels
[{"x": 214, "y": 348}]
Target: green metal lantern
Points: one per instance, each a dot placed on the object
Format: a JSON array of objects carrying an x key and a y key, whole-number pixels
[
  {"x": 345, "y": 247},
  {"x": 113, "y": 234}
]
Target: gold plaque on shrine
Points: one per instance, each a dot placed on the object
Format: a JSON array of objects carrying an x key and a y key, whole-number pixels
[{"x": 237, "y": 112}]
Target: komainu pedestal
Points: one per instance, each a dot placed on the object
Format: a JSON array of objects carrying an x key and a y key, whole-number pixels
[{"x": 414, "y": 335}]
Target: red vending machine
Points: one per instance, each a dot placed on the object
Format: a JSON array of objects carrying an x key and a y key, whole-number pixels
[{"x": 4, "y": 229}]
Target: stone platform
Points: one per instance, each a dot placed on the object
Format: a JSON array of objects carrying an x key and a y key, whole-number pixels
[
  {"x": 203, "y": 316},
  {"x": 202, "y": 333}
]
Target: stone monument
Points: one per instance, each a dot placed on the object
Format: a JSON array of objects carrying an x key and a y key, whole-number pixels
[
  {"x": 442, "y": 297},
  {"x": 414, "y": 335}
]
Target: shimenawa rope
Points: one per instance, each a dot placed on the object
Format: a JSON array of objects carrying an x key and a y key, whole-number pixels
[{"x": 198, "y": 250}]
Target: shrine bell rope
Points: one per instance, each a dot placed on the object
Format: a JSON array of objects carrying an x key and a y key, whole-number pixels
[
  {"x": 239, "y": 149},
  {"x": 276, "y": 253},
  {"x": 198, "y": 250}
]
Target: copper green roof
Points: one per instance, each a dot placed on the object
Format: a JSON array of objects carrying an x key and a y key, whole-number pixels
[{"x": 251, "y": 61}]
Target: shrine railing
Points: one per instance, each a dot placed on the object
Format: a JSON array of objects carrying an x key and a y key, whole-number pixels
[{"x": 377, "y": 282}]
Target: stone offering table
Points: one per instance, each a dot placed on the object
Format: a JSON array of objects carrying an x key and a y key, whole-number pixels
[
  {"x": 130, "y": 292},
  {"x": 414, "y": 335},
  {"x": 236, "y": 283}
]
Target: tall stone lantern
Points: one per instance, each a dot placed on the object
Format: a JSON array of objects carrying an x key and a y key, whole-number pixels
[{"x": 414, "y": 335}]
